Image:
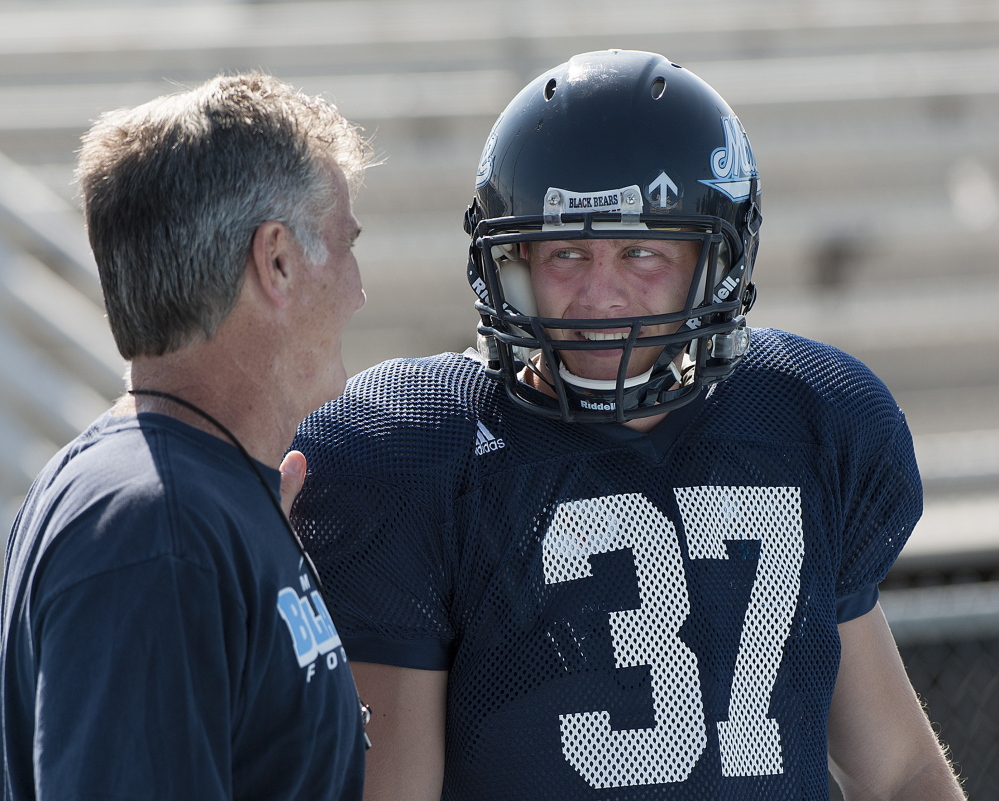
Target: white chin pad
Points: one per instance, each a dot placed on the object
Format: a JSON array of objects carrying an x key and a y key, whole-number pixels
[
  {"x": 515, "y": 276},
  {"x": 602, "y": 384}
]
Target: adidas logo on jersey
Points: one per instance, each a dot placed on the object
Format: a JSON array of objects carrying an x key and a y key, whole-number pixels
[{"x": 485, "y": 442}]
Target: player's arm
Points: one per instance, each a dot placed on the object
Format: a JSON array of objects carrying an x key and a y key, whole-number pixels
[
  {"x": 406, "y": 758},
  {"x": 881, "y": 745}
]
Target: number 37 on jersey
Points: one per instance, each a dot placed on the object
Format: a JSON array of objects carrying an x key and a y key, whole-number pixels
[{"x": 750, "y": 741}]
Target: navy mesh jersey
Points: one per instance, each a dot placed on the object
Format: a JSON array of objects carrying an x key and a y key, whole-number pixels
[{"x": 623, "y": 616}]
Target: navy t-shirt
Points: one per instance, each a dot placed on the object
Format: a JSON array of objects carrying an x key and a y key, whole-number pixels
[
  {"x": 162, "y": 635},
  {"x": 624, "y": 616}
]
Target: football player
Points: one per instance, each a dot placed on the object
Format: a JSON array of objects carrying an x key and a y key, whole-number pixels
[{"x": 628, "y": 548}]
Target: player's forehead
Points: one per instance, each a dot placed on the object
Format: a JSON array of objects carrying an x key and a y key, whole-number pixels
[{"x": 661, "y": 240}]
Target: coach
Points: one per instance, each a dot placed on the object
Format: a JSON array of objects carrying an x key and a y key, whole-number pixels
[{"x": 163, "y": 635}]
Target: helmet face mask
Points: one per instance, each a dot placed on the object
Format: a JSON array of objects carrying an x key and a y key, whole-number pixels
[{"x": 670, "y": 161}]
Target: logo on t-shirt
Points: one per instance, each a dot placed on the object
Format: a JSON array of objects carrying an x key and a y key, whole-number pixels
[{"x": 311, "y": 627}]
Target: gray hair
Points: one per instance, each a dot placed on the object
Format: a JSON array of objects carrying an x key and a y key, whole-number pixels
[{"x": 173, "y": 191}]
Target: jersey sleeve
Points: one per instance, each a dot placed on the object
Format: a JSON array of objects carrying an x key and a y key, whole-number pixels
[
  {"x": 380, "y": 554},
  {"x": 882, "y": 502},
  {"x": 388, "y": 462},
  {"x": 135, "y": 681}
]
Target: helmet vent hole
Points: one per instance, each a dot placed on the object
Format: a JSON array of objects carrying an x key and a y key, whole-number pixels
[
  {"x": 658, "y": 88},
  {"x": 550, "y": 89}
]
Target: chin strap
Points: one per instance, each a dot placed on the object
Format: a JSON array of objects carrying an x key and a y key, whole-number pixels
[
  {"x": 640, "y": 391},
  {"x": 601, "y": 385}
]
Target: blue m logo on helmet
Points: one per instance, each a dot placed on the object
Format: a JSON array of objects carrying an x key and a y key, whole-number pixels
[{"x": 734, "y": 164}]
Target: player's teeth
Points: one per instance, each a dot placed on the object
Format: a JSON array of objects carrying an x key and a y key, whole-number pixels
[{"x": 596, "y": 336}]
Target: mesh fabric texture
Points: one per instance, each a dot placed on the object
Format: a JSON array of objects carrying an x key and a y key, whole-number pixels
[{"x": 618, "y": 622}]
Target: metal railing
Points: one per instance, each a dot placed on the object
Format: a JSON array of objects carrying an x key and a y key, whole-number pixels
[
  {"x": 948, "y": 636},
  {"x": 58, "y": 364}
]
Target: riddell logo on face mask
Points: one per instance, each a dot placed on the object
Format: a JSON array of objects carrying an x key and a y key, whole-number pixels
[{"x": 597, "y": 406}]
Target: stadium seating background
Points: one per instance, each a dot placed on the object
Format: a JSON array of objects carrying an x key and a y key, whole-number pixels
[{"x": 874, "y": 124}]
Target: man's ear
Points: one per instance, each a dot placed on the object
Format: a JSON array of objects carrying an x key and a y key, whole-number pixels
[{"x": 273, "y": 256}]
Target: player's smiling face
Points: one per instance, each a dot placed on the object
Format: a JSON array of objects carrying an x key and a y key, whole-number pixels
[{"x": 594, "y": 279}]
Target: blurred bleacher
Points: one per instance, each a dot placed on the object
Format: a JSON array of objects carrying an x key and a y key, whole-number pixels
[{"x": 875, "y": 124}]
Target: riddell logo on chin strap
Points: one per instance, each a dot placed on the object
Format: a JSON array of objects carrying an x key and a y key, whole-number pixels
[
  {"x": 597, "y": 406},
  {"x": 485, "y": 442}
]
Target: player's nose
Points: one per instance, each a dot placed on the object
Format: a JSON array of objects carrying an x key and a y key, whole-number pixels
[{"x": 603, "y": 285}]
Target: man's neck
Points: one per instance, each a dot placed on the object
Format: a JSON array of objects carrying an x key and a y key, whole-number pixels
[{"x": 244, "y": 403}]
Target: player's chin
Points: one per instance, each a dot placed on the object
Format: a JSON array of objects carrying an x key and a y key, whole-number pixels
[
  {"x": 596, "y": 365},
  {"x": 608, "y": 370}
]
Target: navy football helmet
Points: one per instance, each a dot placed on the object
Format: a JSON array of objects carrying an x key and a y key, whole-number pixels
[{"x": 615, "y": 145}]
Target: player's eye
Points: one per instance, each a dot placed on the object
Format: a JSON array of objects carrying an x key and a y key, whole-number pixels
[{"x": 639, "y": 253}]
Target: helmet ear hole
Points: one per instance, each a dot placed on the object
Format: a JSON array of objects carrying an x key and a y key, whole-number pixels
[
  {"x": 724, "y": 258},
  {"x": 515, "y": 276},
  {"x": 550, "y": 88}
]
